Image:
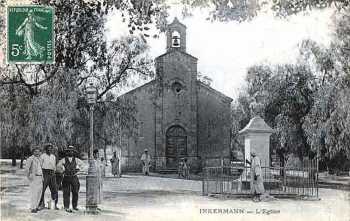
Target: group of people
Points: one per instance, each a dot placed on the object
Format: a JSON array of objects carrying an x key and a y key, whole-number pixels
[
  {"x": 45, "y": 170},
  {"x": 184, "y": 169}
]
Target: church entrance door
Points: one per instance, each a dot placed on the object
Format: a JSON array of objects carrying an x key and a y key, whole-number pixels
[{"x": 176, "y": 146}]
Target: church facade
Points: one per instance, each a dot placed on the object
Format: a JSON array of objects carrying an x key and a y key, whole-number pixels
[{"x": 177, "y": 115}]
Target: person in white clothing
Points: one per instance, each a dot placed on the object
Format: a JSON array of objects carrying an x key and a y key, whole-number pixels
[
  {"x": 49, "y": 173},
  {"x": 257, "y": 182},
  {"x": 99, "y": 174},
  {"x": 146, "y": 162},
  {"x": 34, "y": 175}
]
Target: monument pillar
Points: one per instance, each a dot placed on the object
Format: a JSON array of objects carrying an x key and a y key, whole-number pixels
[{"x": 257, "y": 139}]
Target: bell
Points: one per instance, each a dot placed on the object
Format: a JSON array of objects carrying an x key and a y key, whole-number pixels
[{"x": 176, "y": 42}]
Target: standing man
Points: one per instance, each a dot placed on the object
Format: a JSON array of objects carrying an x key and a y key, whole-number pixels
[
  {"x": 49, "y": 171},
  {"x": 59, "y": 173},
  {"x": 146, "y": 162},
  {"x": 103, "y": 166},
  {"x": 186, "y": 169},
  {"x": 70, "y": 165},
  {"x": 115, "y": 164},
  {"x": 180, "y": 168},
  {"x": 257, "y": 182},
  {"x": 34, "y": 175}
]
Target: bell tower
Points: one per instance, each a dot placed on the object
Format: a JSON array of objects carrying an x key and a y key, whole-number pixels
[
  {"x": 176, "y": 36},
  {"x": 176, "y": 102}
]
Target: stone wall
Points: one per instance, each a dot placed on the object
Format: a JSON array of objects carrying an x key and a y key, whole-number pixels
[
  {"x": 214, "y": 123},
  {"x": 177, "y": 101},
  {"x": 144, "y": 137}
]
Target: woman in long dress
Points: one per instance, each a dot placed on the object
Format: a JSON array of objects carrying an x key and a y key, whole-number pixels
[{"x": 31, "y": 48}]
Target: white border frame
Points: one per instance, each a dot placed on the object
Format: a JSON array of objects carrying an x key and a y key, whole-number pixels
[{"x": 52, "y": 33}]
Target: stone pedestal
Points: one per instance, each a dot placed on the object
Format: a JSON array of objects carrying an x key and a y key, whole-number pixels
[
  {"x": 257, "y": 138},
  {"x": 92, "y": 188}
]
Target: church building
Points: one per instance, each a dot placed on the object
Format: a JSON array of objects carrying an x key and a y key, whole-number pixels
[{"x": 177, "y": 116}]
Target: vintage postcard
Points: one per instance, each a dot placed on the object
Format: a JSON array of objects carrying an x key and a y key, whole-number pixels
[{"x": 175, "y": 110}]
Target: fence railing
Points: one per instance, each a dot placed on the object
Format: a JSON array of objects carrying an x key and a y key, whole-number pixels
[{"x": 287, "y": 181}]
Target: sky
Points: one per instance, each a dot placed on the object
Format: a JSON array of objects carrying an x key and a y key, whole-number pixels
[{"x": 226, "y": 50}]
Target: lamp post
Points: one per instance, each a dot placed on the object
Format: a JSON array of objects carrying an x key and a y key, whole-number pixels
[{"x": 91, "y": 178}]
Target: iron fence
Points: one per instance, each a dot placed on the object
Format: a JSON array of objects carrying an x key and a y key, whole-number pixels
[{"x": 279, "y": 181}]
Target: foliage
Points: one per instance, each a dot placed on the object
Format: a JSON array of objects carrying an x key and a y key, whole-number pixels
[
  {"x": 204, "y": 79},
  {"x": 80, "y": 41},
  {"x": 306, "y": 103},
  {"x": 286, "y": 94},
  {"x": 121, "y": 60},
  {"x": 243, "y": 10},
  {"x": 240, "y": 113},
  {"x": 45, "y": 103}
]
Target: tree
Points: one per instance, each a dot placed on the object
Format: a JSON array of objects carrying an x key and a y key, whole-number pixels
[
  {"x": 51, "y": 93},
  {"x": 241, "y": 114},
  {"x": 308, "y": 103},
  {"x": 79, "y": 28},
  {"x": 14, "y": 122},
  {"x": 327, "y": 123},
  {"x": 287, "y": 100},
  {"x": 44, "y": 107},
  {"x": 244, "y": 10},
  {"x": 124, "y": 58}
]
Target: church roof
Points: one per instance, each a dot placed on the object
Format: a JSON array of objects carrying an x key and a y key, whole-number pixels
[
  {"x": 150, "y": 83},
  {"x": 218, "y": 93},
  {"x": 257, "y": 125},
  {"x": 180, "y": 51}
]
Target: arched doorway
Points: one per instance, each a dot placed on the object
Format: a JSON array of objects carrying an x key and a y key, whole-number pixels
[{"x": 176, "y": 146}]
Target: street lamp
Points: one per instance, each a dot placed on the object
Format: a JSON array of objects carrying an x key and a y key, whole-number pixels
[{"x": 91, "y": 178}]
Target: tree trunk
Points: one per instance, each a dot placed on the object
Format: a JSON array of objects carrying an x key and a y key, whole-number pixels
[
  {"x": 282, "y": 163},
  {"x": 104, "y": 152},
  {"x": 13, "y": 157},
  {"x": 22, "y": 158},
  {"x": 21, "y": 165}
]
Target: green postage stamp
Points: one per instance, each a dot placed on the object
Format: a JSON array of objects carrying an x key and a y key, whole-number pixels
[{"x": 30, "y": 34}]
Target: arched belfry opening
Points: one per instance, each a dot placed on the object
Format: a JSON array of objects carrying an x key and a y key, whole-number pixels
[
  {"x": 176, "y": 36},
  {"x": 175, "y": 39},
  {"x": 176, "y": 145}
]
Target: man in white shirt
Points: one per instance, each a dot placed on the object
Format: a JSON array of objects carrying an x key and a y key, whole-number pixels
[
  {"x": 49, "y": 169},
  {"x": 146, "y": 162},
  {"x": 34, "y": 175},
  {"x": 70, "y": 165}
]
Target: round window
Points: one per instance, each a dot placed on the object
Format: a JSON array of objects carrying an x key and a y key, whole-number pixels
[{"x": 177, "y": 87}]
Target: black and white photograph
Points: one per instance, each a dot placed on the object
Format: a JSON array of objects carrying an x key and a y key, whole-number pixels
[{"x": 174, "y": 110}]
